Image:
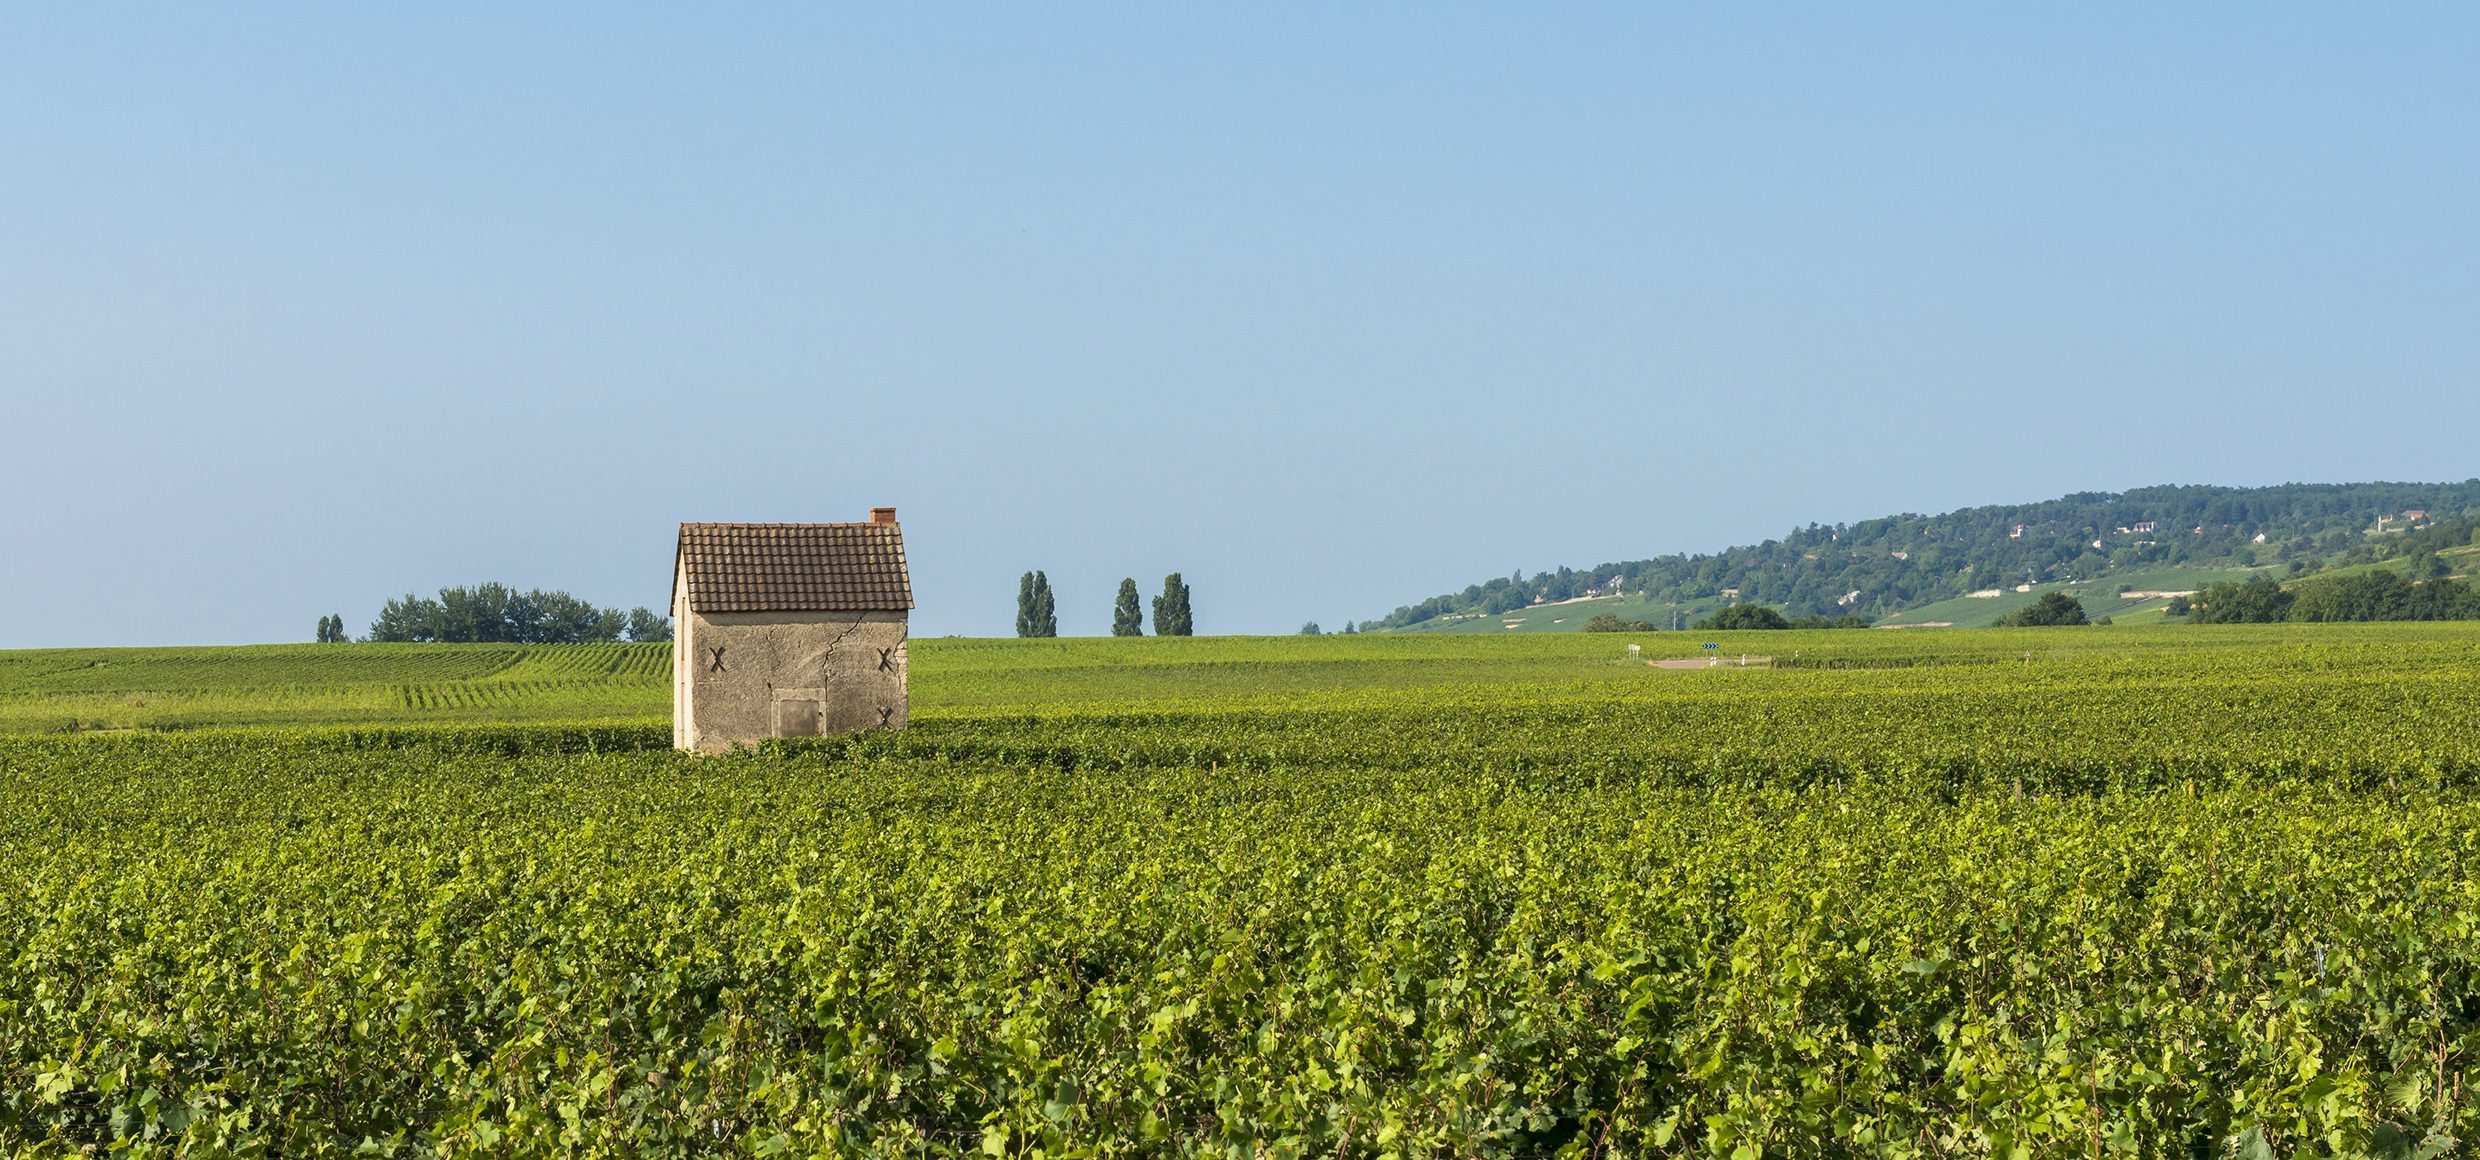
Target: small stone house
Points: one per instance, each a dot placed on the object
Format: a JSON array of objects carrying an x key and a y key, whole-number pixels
[{"x": 788, "y": 630}]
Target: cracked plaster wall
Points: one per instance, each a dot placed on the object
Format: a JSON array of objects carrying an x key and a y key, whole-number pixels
[{"x": 785, "y": 674}]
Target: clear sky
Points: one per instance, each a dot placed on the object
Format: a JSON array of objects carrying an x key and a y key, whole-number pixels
[{"x": 1330, "y": 308}]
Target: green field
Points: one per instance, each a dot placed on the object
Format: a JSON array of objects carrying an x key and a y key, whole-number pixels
[
  {"x": 45, "y": 690},
  {"x": 178, "y": 689},
  {"x": 2182, "y": 890}
]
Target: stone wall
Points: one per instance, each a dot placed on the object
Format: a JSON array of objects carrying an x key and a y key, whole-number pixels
[{"x": 743, "y": 677}]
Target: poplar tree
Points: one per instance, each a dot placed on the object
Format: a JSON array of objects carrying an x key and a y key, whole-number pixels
[
  {"x": 1172, "y": 615},
  {"x": 1024, "y": 606},
  {"x": 1045, "y": 621},
  {"x": 1127, "y": 615}
]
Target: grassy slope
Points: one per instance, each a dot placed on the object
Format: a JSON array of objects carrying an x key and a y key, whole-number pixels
[
  {"x": 1565, "y": 617},
  {"x": 2099, "y": 599},
  {"x": 50, "y": 690}
]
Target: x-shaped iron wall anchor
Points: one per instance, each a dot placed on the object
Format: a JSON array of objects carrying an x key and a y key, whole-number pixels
[{"x": 717, "y": 665}]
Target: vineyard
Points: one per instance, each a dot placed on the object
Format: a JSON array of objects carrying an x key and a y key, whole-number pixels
[
  {"x": 67, "y": 690},
  {"x": 2144, "y": 892}
]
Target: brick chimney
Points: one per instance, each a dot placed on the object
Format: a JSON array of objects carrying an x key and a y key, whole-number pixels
[{"x": 882, "y": 515}]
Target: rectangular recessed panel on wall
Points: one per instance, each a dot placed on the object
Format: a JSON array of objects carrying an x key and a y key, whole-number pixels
[{"x": 796, "y": 718}]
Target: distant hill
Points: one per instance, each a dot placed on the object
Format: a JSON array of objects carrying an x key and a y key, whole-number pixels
[{"x": 1976, "y": 563}]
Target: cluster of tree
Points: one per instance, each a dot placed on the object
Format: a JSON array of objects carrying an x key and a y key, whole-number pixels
[
  {"x": 1905, "y": 560},
  {"x": 1037, "y": 610},
  {"x": 2377, "y": 595},
  {"x": 496, "y": 613},
  {"x": 2051, "y": 610},
  {"x": 2435, "y": 536},
  {"x": 2417, "y": 544},
  {"x": 1312, "y": 629},
  {"x": 2258, "y": 601},
  {"x": 1759, "y": 616},
  {"x": 1172, "y": 616},
  {"x": 332, "y": 630}
]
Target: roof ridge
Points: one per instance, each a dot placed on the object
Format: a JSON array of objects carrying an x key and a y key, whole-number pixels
[{"x": 837, "y": 524}]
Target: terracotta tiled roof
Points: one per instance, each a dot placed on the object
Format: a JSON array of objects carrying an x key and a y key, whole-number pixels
[{"x": 796, "y": 567}]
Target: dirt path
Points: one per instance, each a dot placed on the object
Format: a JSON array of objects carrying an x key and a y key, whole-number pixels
[{"x": 1732, "y": 661}]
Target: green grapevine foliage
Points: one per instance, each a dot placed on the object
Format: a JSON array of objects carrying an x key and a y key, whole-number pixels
[{"x": 2203, "y": 894}]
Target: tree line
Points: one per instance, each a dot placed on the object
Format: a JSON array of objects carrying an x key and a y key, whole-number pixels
[
  {"x": 495, "y": 613},
  {"x": 1037, "y": 608},
  {"x": 2366, "y": 596}
]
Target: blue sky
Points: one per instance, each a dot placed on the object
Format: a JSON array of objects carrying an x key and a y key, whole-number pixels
[{"x": 1329, "y": 308}]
